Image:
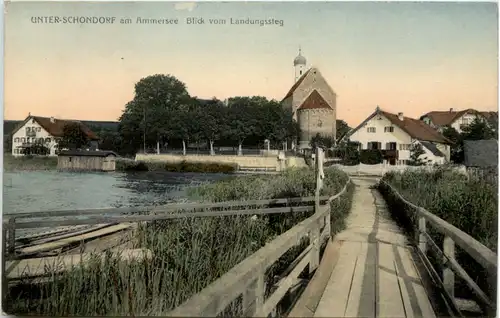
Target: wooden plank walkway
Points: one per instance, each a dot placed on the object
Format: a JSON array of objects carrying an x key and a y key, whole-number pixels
[{"x": 375, "y": 275}]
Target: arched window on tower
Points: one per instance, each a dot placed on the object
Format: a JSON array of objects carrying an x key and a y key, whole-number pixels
[{"x": 300, "y": 72}]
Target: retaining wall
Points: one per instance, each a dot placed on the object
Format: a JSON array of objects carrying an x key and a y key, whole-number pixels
[{"x": 242, "y": 161}]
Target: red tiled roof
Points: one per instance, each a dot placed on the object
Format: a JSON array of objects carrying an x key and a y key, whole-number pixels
[
  {"x": 416, "y": 128},
  {"x": 445, "y": 118},
  {"x": 56, "y": 128},
  {"x": 314, "y": 101},
  {"x": 296, "y": 85}
]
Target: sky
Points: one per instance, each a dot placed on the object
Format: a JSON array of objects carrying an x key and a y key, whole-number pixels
[{"x": 404, "y": 57}]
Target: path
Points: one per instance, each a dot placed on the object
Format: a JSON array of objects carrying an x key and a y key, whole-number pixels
[{"x": 375, "y": 275}]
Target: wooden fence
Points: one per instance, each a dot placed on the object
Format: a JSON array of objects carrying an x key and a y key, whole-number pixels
[
  {"x": 450, "y": 266},
  {"x": 52, "y": 219},
  {"x": 247, "y": 279}
]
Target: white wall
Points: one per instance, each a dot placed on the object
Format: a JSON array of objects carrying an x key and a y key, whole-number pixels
[
  {"x": 402, "y": 139},
  {"x": 466, "y": 119},
  {"x": 20, "y": 135},
  {"x": 399, "y": 136}
]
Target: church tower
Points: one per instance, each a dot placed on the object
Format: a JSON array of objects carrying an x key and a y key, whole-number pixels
[{"x": 300, "y": 65}]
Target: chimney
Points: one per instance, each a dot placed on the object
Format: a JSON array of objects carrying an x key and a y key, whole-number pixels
[
  {"x": 52, "y": 120},
  {"x": 451, "y": 110},
  {"x": 400, "y": 116}
]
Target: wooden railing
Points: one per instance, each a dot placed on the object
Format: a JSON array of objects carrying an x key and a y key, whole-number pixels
[
  {"x": 13, "y": 222},
  {"x": 247, "y": 279},
  {"x": 450, "y": 266}
]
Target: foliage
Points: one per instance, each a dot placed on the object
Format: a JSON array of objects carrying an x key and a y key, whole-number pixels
[
  {"x": 342, "y": 129},
  {"x": 349, "y": 153},
  {"x": 470, "y": 204},
  {"x": 371, "y": 156},
  {"x": 73, "y": 137},
  {"x": 456, "y": 151},
  {"x": 29, "y": 163},
  {"x": 325, "y": 142},
  {"x": 479, "y": 129},
  {"x": 163, "y": 111},
  {"x": 35, "y": 149},
  {"x": 416, "y": 153},
  {"x": 183, "y": 166},
  {"x": 188, "y": 253}
]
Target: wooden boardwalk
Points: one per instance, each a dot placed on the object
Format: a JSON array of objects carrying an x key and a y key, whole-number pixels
[{"x": 375, "y": 275}]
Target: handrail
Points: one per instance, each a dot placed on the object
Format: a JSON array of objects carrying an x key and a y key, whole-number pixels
[
  {"x": 248, "y": 277},
  {"x": 162, "y": 208},
  {"x": 452, "y": 235}
]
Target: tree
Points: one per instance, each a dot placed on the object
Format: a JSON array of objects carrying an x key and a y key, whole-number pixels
[
  {"x": 342, "y": 129},
  {"x": 478, "y": 130},
  {"x": 242, "y": 120},
  {"x": 456, "y": 150},
  {"x": 212, "y": 122},
  {"x": 73, "y": 136},
  {"x": 416, "y": 152},
  {"x": 349, "y": 153},
  {"x": 152, "y": 112}
]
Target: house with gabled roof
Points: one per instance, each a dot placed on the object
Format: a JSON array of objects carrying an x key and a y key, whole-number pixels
[
  {"x": 312, "y": 103},
  {"x": 394, "y": 135},
  {"x": 46, "y": 131},
  {"x": 458, "y": 119}
]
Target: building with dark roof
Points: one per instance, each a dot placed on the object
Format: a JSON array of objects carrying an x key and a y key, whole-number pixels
[
  {"x": 394, "y": 135},
  {"x": 46, "y": 131},
  {"x": 458, "y": 119}
]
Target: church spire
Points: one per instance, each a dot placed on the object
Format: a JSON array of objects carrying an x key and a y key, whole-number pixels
[{"x": 299, "y": 63}]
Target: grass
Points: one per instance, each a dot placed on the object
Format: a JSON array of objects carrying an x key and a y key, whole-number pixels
[
  {"x": 188, "y": 254},
  {"x": 183, "y": 166},
  {"x": 469, "y": 204},
  {"x": 29, "y": 163}
]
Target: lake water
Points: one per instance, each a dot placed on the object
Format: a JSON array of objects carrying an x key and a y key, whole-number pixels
[{"x": 52, "y": 190}]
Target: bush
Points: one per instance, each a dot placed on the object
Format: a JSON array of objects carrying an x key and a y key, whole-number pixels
[
  {"x": 183, "y": 166},
  {"x": 371, "y": 157},
  {"x": 188, "y": 253}
]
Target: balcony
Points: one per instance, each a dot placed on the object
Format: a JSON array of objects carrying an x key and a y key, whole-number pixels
[
  {"x": 390, "y": 153},
  {"x": 31, "y": 133}
]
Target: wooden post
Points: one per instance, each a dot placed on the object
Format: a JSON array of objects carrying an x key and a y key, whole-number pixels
[
  {"x": 12, "y": 235},
  {"x": 260, "y": 290},
  {"x": 5, "y": 283},
  {"x": 448, "y": 274},
  {"x": 420, "y": 235},
  {"x": 314, "y": 237},
  {"x": 319, "y": 182},
  {"x": 328, "y": 220},
  {"x": 249, "y": 300}
]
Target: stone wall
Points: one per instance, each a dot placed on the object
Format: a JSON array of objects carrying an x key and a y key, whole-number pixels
[
  {"x": 309, "y": 121},
  {"x": 242, "y": 161}
]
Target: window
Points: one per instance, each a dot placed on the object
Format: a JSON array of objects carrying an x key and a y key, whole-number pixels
[
  {"x": 374, "y": 145},
  {"x": 39, "y": 129},
  {"x": 23, "y": 139},
  {"x": 69, "y": 159},
  {"x": 371, "y": 129},
  {"x": 404, "y": 146},
  {"x": 389, "y": 129},
  {"x": 47, "y": 139},
  {"x": 28, "y": 129},
  {"x": 16, "y": 139},
  {"x": 300, "y": 72},
  {"x": 390, "y": 146}
]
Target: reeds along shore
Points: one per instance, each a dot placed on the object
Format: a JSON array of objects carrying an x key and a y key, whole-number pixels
[
  {"x": 188, "y": 254},
  {"x": 470, "y": 204}
]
